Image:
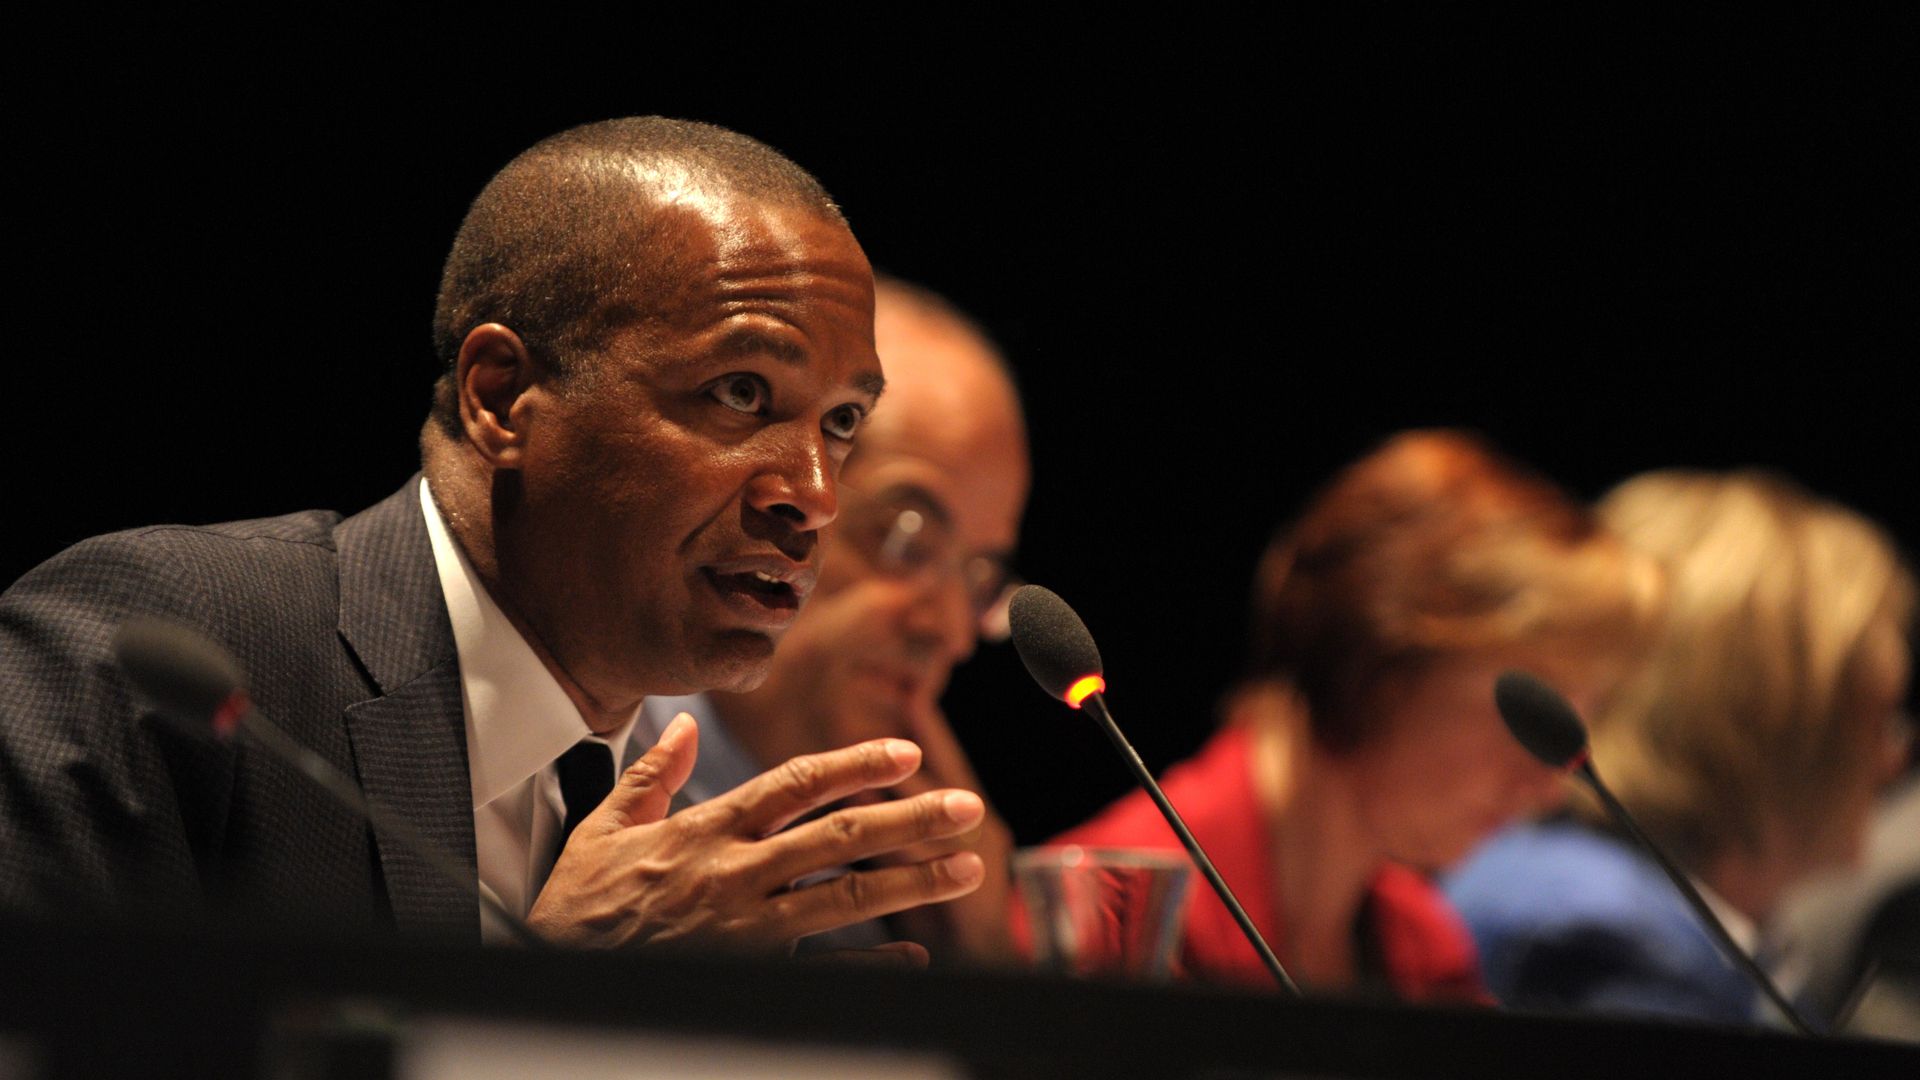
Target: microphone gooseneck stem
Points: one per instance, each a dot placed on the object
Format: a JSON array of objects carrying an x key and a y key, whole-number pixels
[
  {"x": 255, "y": 725},
  {"x": 1096, "y": 706},
  {"x": 1680, "y": 881}
]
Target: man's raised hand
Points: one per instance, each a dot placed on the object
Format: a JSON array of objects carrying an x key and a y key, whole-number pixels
[{"x": 717, "y": 874}]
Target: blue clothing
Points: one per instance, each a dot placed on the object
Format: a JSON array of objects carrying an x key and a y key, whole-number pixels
[
  {"x": 1569, "y": 919},
  {"x": 722, "y": 765}
]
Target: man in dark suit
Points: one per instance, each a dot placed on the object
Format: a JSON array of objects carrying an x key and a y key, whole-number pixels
[{"x": 659, "y": 348}]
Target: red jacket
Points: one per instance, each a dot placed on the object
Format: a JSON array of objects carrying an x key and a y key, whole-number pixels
[{"x": 1421, "y": 942}]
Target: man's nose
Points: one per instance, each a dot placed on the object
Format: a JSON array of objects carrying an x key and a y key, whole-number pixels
[{"x": 796, "y": 482}]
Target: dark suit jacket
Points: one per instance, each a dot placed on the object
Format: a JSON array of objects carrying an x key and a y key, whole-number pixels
[{"x": 104, "y": 810}]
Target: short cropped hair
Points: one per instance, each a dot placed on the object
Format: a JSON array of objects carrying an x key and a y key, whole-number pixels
[
  {"x": 1784, "y": 629},
  {"x": 1435, "y": 546},
  {"x": 562, "y": 246}
]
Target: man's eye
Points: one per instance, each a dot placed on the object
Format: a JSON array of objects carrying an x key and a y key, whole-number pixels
[
  {"x": 742, "y": 392},
  {"x": 843, "y": 422}
]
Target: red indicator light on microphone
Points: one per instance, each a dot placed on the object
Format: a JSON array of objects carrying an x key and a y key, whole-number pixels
[{"x": 1084, "y": 687}]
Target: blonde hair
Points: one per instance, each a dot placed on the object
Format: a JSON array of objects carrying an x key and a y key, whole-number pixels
[
  {"x": 1785, "y": 617},
  {"x": 1432, "y": 546}
]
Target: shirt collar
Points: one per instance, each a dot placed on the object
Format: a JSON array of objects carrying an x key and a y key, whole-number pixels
[{"x": 518, "y": 718}]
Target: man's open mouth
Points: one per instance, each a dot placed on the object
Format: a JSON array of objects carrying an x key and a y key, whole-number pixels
[{"x": 756, "y": 586}]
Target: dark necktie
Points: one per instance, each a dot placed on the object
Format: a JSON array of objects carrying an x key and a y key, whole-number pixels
[{"x": 586, "y": 776}]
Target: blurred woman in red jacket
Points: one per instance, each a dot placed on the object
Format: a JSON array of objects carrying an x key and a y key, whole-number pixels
[{"x": 1363, "y": 750}]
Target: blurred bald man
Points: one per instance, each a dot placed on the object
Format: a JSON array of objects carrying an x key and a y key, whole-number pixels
[{"x": 916, "y": 573}]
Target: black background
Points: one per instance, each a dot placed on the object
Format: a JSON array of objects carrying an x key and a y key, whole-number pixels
[{"x": 1226, "y": 255}]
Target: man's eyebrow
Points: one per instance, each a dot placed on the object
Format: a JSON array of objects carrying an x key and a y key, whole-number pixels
[{"x": 750, "y": 342}]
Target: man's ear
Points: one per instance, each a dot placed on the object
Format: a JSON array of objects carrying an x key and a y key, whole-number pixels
[{"x": 491, "y": 374}]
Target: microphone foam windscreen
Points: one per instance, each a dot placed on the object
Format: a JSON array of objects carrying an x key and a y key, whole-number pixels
[
  {"x": 1540, "y": 719},
  {"x": 1051, "y": 639},
  {"x": 181, "y": 674}
]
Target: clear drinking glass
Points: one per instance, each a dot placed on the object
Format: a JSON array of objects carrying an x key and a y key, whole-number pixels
[{"x": 1103, "y": 912}]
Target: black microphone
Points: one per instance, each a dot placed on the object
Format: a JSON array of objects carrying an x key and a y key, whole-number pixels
[
  {"x": 1546, "y": 724},
  {"x": 1062, "y": 658},
  {"x": 198, "y": 686}
]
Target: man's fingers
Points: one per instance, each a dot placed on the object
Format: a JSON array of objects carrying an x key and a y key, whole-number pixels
[
  {"x": 861, "y": 832},
  {"x": 870, "y": 894},
  {"x": 769, "y": 801},
  {"x": 645, "y": 789},
  {"x": 931, "y": 849}
]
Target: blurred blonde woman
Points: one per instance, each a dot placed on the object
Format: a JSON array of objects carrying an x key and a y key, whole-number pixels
[
  {"x": 1750, "y": 745},
  {"x": 1363, "y": 749}
]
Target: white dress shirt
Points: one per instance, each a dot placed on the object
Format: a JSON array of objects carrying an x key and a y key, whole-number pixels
[{"x": 518, "y": 722}]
